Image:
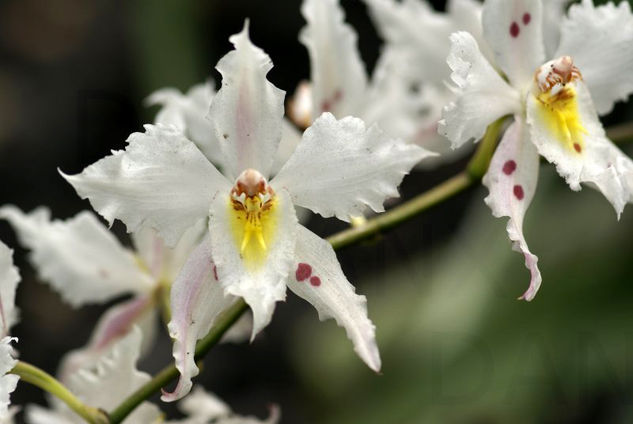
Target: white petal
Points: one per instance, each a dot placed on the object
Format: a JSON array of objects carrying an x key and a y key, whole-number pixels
[
  {"x": 161, "y": 180},
  {"x": 35, "y": 414},
  {"x": 553, "y": 13},
  {"x": 483, "y": 96},
  {"x": 247, "y": 111},
  {"x": 600, "y": 163},
  {"x": 196, "y": 301},
  {"x": 318, "y": 278},
  {"x": 8, "y": 382},
  {"x": 9, "y": 279},
  {"x": 290, "y": 138},
  {"x": 600, "y": 39},
  {"x": 203, "y": 406},
  {"x": 413, "y": 29},
  {"x": 340, "y": 167},
  {"x": 114, "y": 378},
  {"x": 79, "y": 257},
  {"x": 514, "y": 31},
  {"x": 338, "y": 75},
  {"x": 189, "y": 113},
  {"x": 114, "y": 324},
  {"x": 163, "y": 262},
  {"x": 511, "y": 180},
  {"x": 261, "y": 285}
]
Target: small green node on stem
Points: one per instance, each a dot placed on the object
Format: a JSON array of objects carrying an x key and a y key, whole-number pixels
[{"x": 48, "y": 383}]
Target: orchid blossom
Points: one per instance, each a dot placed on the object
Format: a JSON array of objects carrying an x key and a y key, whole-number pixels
[
  {"x": 555, "y": 104},
  {"x": 340, "y": 85},
  {"x": 113, "y": 376},
  {"x": 255, "y": 247}
]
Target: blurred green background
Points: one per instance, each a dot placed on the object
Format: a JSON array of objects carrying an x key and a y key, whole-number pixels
[{"x": 457, "y": 346}]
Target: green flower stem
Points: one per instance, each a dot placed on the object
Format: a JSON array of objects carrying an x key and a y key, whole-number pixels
[
  {"x": 170, "y": 372},
  {"x": 47, "y": 382}
]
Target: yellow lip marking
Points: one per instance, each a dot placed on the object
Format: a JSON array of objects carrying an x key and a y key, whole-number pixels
[
  {"x": 558, "y": 102},
  {"x": 253, "y": 211}
]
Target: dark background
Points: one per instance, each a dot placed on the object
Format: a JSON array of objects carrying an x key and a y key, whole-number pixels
[{"x": 73, "y": 76}]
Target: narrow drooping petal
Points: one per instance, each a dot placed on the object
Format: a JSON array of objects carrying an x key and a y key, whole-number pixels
[
  {"x": 340, "y": 167},
  {"x": 290, "y": 138},
  {"x": 79, "y": 257},
  {"x": 483, "y": 96},
  {"x": 8, "y": 382},
  {"x": 582, "y": 153},
  {"x": 246, "y": 113},
  {"x": 197, "y": 299},
  {"x": 113, "y": 325},
  {"x": 318, "y": 278},
  {"x": 514, "y": 31},
  {"x": 189, "y": 113},
  {"x": 511, "y": 180},
  {"x": 600, "y": 40},
  {"x": 161, "y": 180},
  {"x": 9, "y": 279},
  {"x": 338, "y": 75},
  {"x": 113, "y": 378},
  {"x": 255, "y": 266}
]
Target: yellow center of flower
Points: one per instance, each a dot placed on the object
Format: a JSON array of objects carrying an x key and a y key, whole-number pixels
[
  {"x": 557, "y": 99},
  {"x": 253, "y": 212}
]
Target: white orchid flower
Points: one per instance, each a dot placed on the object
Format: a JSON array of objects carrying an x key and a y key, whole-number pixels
[
  {"x": 340, "y": 85},
  {"x": 94, "y": 267},
  {"x": 104, "y": 385},
  {"x": 254, "y": 248},
  {"x": 555, "y": 114},
  {"x": 202, "y": 407},
  {"x": 9, "y": 279}
]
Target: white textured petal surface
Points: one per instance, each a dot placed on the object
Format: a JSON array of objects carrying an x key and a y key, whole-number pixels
[
  {"x": 247, "y": 111},
  {"x": 338, "y": 75},
  {"x": 340, "y": 167},
  {"x": 9, "y": 279},
  {"x": 112, "y": 379},
  {"x": 78, "y": 257},
  {"x": 601, "y": 164},
  {"x": 161, "y": 180},
  {"x": 189, "y": 113},
  {"x": 482, "y": 95},
  {"x": 600, "y": 40},
  {"x": 511, "y": 180},
  {"x": 514, "y": 31},
  {"x": 416, "y": 32},
  {"x": 290, "y": 138},
  {"x": 264, "y": 286},
  {"x": 197, "y": 299},
  {"x": 318, "y": 279},
  {"x": 114, "y": 324},
  {"x": 553, "y": 12},
  {"x": 8, "y": 382},
  {"x": 35, "y": 414}
]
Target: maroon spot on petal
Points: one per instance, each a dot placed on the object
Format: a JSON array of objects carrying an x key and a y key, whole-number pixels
[
  {"x": 526, "y": 18},
  {"x": 514, "y": 30},
  {"x": 577, "y": 147},
  {"x": 303, "y": 271},
  {"x": 215, "y": 272},
  {"x": 509, "y": 167},
  {"x": 315, "y": 281},
  {"x": 518, "y": 192}
]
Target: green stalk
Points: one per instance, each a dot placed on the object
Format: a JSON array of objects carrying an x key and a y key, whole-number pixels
[{"x": 47, "y": 382}]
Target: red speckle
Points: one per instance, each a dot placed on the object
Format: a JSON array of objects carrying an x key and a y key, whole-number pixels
[
  {"x": 518, "y": 192},
  {"x": 509, "y": 167},
  {"x": 215, "y": 272},
  {"x": 514, "y": 30},
  {"x": 315, "y": 281},
  {"x": 577, "y": 147},
  {"x": 526, "y": 18},
  {"x": 303, "y": 271}
]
